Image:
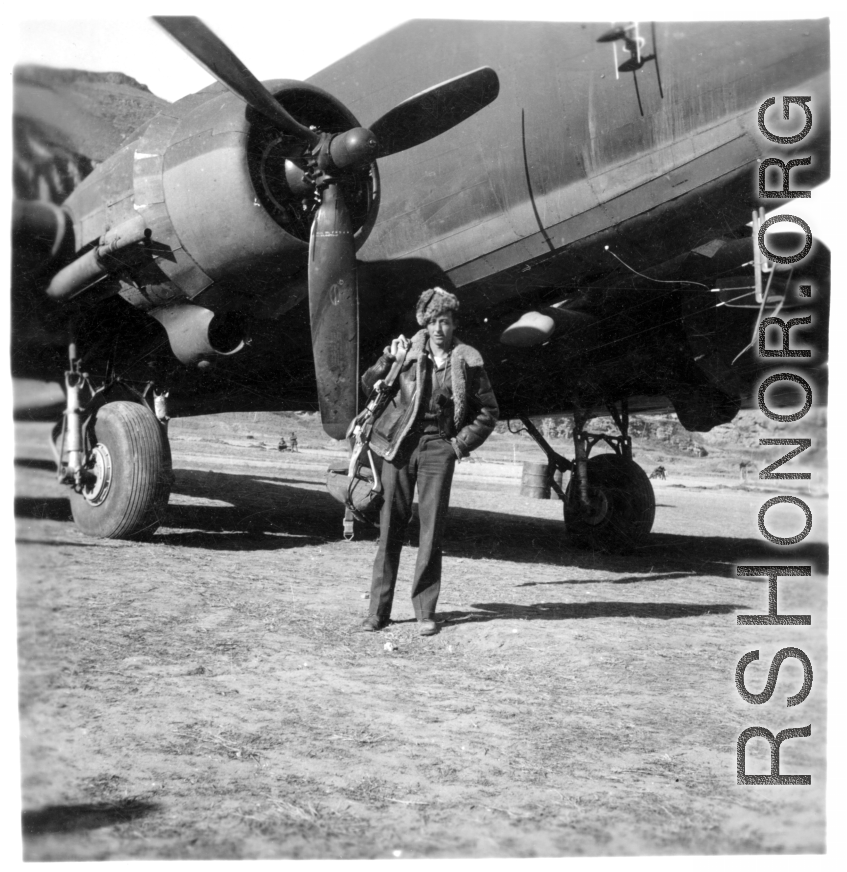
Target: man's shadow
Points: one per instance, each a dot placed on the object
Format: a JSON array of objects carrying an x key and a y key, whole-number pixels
[{"x": 555, "y": 611}]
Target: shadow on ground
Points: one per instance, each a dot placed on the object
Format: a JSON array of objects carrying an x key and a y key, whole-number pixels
[
  {"x": 628, "y": 579},
  {"x": 268, "y": 505},
  {"x": 264, "y": 512},
  {"x": 43, "y": 508},
  {"x": 570, "y": 611},
  {"x": 90, "y": 816},
  {"x": 35, "y": 463}
]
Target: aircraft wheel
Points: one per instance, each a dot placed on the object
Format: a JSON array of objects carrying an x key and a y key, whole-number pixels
[
  {"x": 128, "y": 478},
  {"x": 622, "y": 508}
]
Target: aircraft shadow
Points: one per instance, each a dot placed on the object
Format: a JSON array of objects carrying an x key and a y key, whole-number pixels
[
  {"x": 224, "y": 538},
  {"x": 271, "y": 504},
  {"x": 48, "y": 542},
  {"x": 501, "y": 536},
  {"x": 244, "y": 527},
  {"x": 554, "y": 611},
  {"x": 261, "y": 510},
  {"x": 35, "y": 463},
  {"x": 43, "y": 508},
  {"x": 270, "y": 513},
  {"x": 89, "y": 816}
]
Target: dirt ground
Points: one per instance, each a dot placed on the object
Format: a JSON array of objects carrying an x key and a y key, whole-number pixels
[{"x": 206, "y": 695}]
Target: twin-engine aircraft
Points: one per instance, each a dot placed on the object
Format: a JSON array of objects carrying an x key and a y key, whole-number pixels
[{"x": 252, "y": 244}]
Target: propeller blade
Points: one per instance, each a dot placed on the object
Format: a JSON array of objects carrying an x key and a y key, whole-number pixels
[
  {"x": 40, "y": 230},
  {"x": 334, "y": 312},
  {"x": 434, "y": 111},
  {"x": 213, "y": 54}
]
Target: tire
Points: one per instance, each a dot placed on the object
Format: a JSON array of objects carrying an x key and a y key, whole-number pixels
[
  {"x": 129, "y": 479},
  {"x": 624, "y": 506}
]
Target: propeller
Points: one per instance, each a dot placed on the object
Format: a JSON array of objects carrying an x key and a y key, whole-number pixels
[
  {"x": 334, "y": 311},
  {"x": 215, "y": 56},
  {"x": 333, "y": 294},
  {"x": 435, "y": 110}
]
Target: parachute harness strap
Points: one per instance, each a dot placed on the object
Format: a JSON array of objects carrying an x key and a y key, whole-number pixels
[{"x": 360, "y": 432}]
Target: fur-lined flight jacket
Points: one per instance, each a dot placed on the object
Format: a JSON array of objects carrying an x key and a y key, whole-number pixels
[{"x": 473, "y": 403}]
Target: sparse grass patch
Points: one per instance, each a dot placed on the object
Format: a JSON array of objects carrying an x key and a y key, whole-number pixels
[
  {"x": 280, "y": 818},
  {"x": 201, "y": 741},
  {"x": 371, "y": 791}
]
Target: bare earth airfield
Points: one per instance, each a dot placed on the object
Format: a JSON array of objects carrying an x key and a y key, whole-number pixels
[{"x": 205, "y": 695}]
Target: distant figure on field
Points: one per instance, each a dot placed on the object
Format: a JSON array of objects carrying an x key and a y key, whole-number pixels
[
  {"x": 293, "y": 442},
  {"x": 743, "y": 468},
  {"x": 282, "y": 446},
  {"x": 658, "y": 472}
]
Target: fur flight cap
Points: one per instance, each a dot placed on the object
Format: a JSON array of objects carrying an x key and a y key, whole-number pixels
[{"x": 435, "y": 302}]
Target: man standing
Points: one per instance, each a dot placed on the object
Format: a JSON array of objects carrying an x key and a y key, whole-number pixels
[{"x": 442, "y": 409}]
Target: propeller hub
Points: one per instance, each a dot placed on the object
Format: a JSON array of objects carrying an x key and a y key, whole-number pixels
[
  {"x": 298, "y": 180},
  {"x": 353, "y": 148}
]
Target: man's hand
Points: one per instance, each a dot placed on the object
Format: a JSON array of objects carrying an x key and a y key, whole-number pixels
[
  {"x": 460, "y": 455},
  {"x": 397, "y": 345}
]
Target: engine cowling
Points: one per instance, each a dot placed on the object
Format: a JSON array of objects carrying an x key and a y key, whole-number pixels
[{"x": 228, "y": 212}]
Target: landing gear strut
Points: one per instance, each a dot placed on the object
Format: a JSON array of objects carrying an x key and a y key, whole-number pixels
[
  {"x": 115, "y": 457},
  {"x": 609, "y": 503}
]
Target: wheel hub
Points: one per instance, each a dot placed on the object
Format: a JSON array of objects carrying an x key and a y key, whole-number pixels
[
  {"x": 597, "y": 508},
  {"x": 98, "y": 480}
]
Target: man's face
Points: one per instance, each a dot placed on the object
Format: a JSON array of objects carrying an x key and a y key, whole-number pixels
[{"x": 440, "y": 330}]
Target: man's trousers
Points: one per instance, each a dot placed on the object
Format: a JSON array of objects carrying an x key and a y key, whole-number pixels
[{"x": 428, "y": 461}]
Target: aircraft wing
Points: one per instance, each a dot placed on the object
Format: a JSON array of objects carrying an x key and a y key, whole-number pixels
[{"x": 622, "y": 191}]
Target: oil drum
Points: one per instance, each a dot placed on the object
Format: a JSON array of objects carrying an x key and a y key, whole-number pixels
[{"x": 535, "y": 481}]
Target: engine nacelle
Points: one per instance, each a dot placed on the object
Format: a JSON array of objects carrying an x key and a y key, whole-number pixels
[{"x": 228, "y": 213}]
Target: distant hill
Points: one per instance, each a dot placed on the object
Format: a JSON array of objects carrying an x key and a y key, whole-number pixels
[
  {"x": 50, "y": 77},
  {"x": 68, "y": 121}
]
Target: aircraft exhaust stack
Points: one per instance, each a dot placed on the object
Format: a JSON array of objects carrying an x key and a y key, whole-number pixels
[
  {"x": 198, "y": 334},
  {"x": 94, "y": 265}
]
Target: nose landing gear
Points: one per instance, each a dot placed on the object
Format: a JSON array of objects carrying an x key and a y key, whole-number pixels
[{"x": 609, "y": 503}]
